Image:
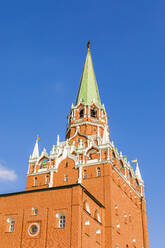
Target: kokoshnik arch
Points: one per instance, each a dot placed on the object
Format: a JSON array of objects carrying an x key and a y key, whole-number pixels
[{"x": 83, "y": 193}]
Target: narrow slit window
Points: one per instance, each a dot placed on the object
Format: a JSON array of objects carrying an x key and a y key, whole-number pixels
[
  {"x": 35, "y": 181},
  {"x": 65, "y": 178},
  {"x": 84, "y": 174},
  {"x": 98, "y": 172}
]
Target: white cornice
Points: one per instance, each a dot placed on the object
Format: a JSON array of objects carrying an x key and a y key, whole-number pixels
[{"x": 43, "y": 172}]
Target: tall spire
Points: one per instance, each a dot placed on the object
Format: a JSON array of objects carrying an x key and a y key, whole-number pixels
[{"x": 88, "y": 90}]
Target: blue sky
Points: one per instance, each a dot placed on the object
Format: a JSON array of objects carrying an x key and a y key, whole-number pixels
[{"x": 42, "y": 52}]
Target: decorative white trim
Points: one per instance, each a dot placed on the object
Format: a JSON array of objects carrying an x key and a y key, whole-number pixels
[
  {"x": 96, "y": 163},
  {"x": 66, "y": 153},
  {"x": 80, "y": 175},
  {"x": 51, "y": 178},
  {"x": 92, "y": 161},
  {"x": 42, "y": 170}
]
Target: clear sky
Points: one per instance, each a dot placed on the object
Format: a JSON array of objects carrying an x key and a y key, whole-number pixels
[{"x": 42, "y": 52}]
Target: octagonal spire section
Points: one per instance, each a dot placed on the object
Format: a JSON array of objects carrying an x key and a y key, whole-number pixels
[{"x": 88, "y": 91}]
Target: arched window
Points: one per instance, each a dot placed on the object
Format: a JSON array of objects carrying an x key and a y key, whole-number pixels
[
  {"x": 118, "y": 225},
  {"x": 125, "y": 218},
  {"x": 98, "y": 231},
  {"x": 11, "y": 222},
  {"x": 84, "y": 174},
  {"x": 116, "y": 210},
  {"x": 98, "y": 172},
  {"x": 47, "y": 179},
  {"x": 97, "y": 216},
  {"x": 134, "y": 240},
  {"x": 86, "y": 206},
  {"x": 87, "y": 222},
  {"x": 35, "y": 181},
  {"x": 93, "y": 113},
  {"x": 62, "y": 220},
  {"x": 66, "y": 165},
  {"x": 34, "y": 211},
  {"x": 130, "y": 218},
  {"x": 81, "y": 113},
  {"x": 65, "y": 178}
]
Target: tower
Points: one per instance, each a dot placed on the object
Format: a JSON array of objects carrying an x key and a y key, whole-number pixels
[{"x": 89, "y": 158}]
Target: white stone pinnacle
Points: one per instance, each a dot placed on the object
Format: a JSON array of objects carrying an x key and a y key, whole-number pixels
[
  {"x": 35, "y": 153},
  {"x": 138, "y": 174}
]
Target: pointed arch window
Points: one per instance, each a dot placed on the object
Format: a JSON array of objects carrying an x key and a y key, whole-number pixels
[
  {"x": 93, "y": 112},
  {"x": 98, "y": 172}
]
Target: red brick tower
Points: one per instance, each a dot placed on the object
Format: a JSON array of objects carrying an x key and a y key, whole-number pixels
[{"x": 88, "y": 157}]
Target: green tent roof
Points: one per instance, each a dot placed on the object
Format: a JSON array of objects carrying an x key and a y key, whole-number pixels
[{"x": 88, "y": 90}]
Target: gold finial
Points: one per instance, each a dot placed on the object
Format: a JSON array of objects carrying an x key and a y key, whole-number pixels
[{"x": 88, "y": 44}]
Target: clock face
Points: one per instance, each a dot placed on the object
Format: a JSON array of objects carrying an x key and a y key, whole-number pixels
[{"x": 34, "y": 229}]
